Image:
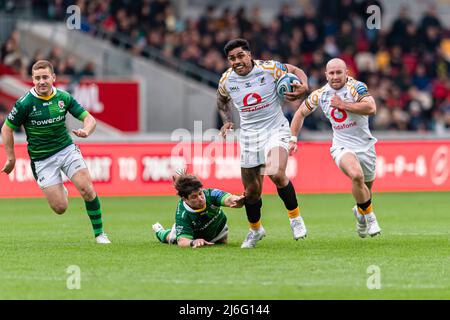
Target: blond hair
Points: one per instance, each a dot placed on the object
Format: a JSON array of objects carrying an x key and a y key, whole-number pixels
[{"x": 43, "y": 64}]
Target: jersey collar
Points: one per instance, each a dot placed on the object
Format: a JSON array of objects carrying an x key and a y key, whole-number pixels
[
  {"x": 34, "y": 93},
  {"x": 188, "y": 208}
]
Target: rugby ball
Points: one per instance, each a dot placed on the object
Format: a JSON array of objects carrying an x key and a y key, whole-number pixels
[{"x": 284, "y": 84}]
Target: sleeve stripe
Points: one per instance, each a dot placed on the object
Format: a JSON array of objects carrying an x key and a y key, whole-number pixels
[
  {"x": 23, "y": 98},
  {"x": 363, "y": 96},
  {"x": 268, "y": 68},
  {"x": 308, "y": 105},
  {"x": 223, "y": 92},
  {"x": 83, "y": 115},
  {"x": 225, "y": 76},
  {"x": 185, "y": 236},
  {"x": 224, "y": 197},
  {"x": 11, "y": 125}
]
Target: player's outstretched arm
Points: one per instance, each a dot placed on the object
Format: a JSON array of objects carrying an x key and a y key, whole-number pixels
[
  {"x": 186, "y": 242},
  {"x": 89, "y": 125},
  {"x": 297, "y": 124},
  {"x": 235, "y": 201},
  {"x": 8, "y": 141},
  {"x": 224, "y": 105}
]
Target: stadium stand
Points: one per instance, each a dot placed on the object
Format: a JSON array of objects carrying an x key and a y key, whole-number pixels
[{"x": 406, "y": 66}]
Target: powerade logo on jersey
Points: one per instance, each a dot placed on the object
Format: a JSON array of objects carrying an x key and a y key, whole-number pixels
[{"x": 47, "y": 121}]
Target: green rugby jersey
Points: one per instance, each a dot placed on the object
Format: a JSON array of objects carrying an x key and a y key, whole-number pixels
[
  {"x": 202, "y": 224},
  {"x": 44, "y": 121}
]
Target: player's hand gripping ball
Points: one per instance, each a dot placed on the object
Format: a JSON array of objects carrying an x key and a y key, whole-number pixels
[{"x": 284, "y": 84}]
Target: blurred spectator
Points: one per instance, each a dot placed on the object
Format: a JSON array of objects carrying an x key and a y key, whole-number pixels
[
  {"x": 38, "y": 55},
  {"x": 430, "y": 18},
  {"x": 398, "y": 30},
  {"x": 420, "y": 78},
  {"x": 406, "y": 67},
  {"x": 330, "y": 46},
  {"x": 89, "y": 70},
  {"x": 345, "y": 37},
  {"x": 55, "y": 57},
  {"x": 285, "y": 19}
]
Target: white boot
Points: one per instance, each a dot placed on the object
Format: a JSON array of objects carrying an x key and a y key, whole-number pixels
[
  {"x": 298, "y": 227},
  {"x": 253, "y": 237},
  {"x": 361, "y": 225}
]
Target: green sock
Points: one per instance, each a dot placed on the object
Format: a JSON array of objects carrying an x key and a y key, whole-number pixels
[
  {"x": 162, "y": 235},
  {"x": 95, "y": 214}
]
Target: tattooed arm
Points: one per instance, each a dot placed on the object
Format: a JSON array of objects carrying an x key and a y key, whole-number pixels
[{"x": 224, "y": 104}]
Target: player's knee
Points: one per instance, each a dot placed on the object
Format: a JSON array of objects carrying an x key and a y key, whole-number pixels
[
  {"x": 253, "y": 194},
  {"x": 252, "y": 197},
  {"x": 280, "y": 179},
  {"x": 87, "y": 192},
  {"x": 357, "y": 177}
]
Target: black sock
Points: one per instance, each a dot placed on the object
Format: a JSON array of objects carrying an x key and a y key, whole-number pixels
[
  {"x": 253, "y": 211},
  {"x": 287, "y": 194},
  {"x": 364, "y": 205}
]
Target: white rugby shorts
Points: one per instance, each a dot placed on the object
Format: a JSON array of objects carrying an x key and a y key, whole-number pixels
[
  {"x": 48, "y": 171},
  {"x": 367, "y": 159},
  {"x": 256, "y": 145}
]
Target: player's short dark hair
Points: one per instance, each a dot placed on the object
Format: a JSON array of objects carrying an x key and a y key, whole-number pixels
[
  {"x": 43, "y": 64},
  {"x": 185, "y": 184},
  {"x": 236, "y": 43}
]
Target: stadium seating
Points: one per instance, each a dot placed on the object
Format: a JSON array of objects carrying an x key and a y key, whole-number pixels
[{"x": 406, "y": 66}]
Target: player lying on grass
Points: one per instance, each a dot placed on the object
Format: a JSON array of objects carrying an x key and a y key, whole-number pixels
[{"x": 199, "y": 220}]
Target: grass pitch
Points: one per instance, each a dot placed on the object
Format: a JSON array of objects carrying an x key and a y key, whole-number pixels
[{"x": 412, "y": 254}]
